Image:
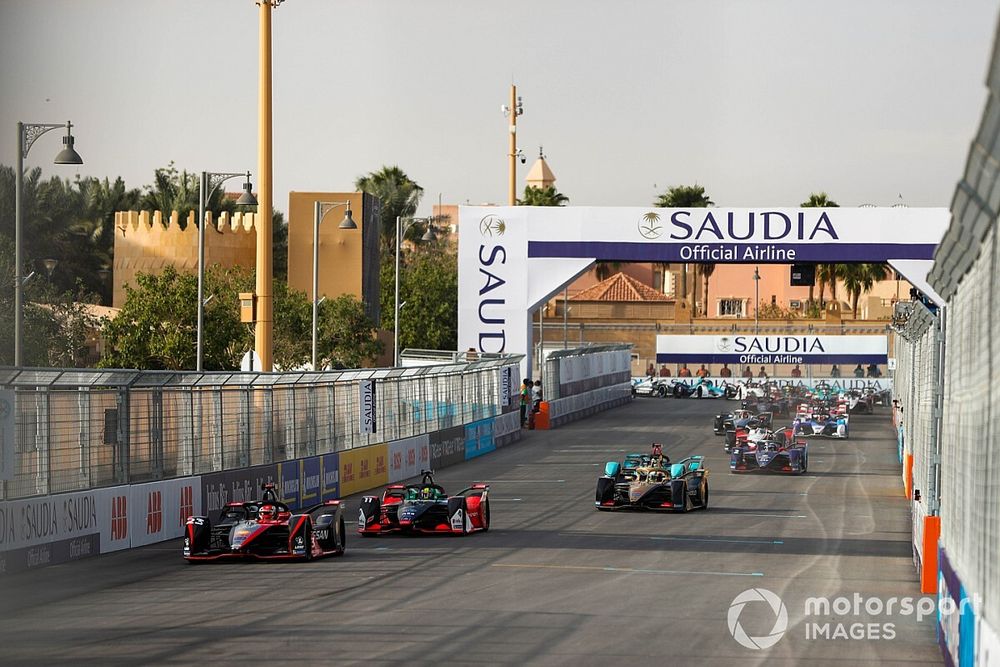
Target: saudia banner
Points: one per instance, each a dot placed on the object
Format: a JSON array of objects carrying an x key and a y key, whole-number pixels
[
  {"x": 513, "y": 259},
  {"x": 749, "y": 349}
]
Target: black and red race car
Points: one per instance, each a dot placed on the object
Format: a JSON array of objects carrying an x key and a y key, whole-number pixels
[
  {"x": 425, "y": 508},
  {"x": 267, "y": 529}
]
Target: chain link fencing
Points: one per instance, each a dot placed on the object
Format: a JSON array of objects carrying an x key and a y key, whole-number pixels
[{"x": 82, "y": 429}]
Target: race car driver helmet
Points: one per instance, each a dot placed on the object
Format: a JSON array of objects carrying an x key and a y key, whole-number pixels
[
  {"x": 267, "y": 513},
  {"x": 426, "y": 493}
]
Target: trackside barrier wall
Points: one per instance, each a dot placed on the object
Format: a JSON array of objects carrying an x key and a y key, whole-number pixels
[
  {"x": 579, "y": 382},
  {"x": 65, "y": 527},
  {"x": 966, "y": 277}
]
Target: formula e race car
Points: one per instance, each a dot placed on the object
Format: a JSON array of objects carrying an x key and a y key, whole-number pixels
[
  {"x": 425, "y": 508},
  {"x": 821, "y": 423},
  {"x": 267, "y": 529},
  {"x": 701, "y": 388},
  {"x": 659, "y": 485},
  {"x": 774, "y": 454},
  {"x": 650, "y": 386},
  {"x": 740, "y": 419}
]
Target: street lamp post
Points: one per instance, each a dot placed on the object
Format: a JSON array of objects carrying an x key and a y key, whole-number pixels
[
  {"x": 319, "y": 212},
  {"x": 400, "y": 230},
  {"x": 209, "y": 183},
  {"x": 27, "y": 133},
  {"x": 756, "y": 299}
]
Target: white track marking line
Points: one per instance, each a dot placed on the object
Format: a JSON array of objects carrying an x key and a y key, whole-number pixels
[
  {"x": 625, "y": 570},
  {"x": 715, "y": 539}
]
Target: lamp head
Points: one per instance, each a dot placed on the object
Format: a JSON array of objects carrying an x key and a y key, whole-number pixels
[
  {"x": 68, "y": 154},
  {"x": 348, "y": 221},
  {"x": 429, "y": 234},
  {"x": 247, "y": 198}
]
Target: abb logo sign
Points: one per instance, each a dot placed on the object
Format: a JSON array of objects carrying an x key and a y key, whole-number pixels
[
  {"x": 119, "y": 517},
  {"x": 154, "y": 512},
  {"x": 187, "y": 505}
]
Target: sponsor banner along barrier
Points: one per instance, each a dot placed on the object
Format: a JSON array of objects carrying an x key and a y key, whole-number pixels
[
  {"x": 35, "y": 521},
  {"x": 956, "y": 632},
  {"x": 447, "y": 447},
  {"x": 749, "y": 349},
  {"x": 158, "y": 511},
  {"x": 479, "y": 438},
  {"x": 234, "y": 486},
  {"x": 507, "y": 428},
  {"x": 363, "y": 468},
  {"x": 840, "y": 384},
  {"x": 408, "y": 457}
]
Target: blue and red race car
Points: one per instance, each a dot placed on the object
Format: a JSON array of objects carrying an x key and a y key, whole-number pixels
[{"x": 425, "y": 508}]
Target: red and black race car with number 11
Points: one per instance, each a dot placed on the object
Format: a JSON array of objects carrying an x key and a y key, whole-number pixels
[{"x": 425, "y": 508}]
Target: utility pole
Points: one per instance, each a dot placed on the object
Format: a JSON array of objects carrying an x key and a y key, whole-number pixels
[{"x": 514, "y": 109}]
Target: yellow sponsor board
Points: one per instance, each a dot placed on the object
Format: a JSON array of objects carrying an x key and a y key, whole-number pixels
[{"x": 363, "y": 468}]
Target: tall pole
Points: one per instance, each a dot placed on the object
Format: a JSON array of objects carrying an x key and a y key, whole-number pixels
[
  {"x": 565, "y": 315},
  {"x": 201, "y": 266},
  {"x": 18, "y": 249},
  {"x": 395, "y": 318},
  {"x": 263, "y": 333},
  {"x": 756, "y": 300},
  {"x": 317, "y": 214},
  {"x": 512, "y": 192}
]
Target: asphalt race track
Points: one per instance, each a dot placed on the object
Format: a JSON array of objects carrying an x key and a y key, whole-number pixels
[{"x": 553, "y": 582}]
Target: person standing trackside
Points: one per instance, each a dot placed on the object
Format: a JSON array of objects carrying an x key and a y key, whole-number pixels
[
  {"x": 747, "y": 373},
  {"x": 684, "y": 372},
  {"x": 525, "y": 401},
  {"x": 702, "y": 372},
  {"x": 859, "y": 372},
  {"x": 835, "y": 371},
  {"x": 725, "y": 371}
]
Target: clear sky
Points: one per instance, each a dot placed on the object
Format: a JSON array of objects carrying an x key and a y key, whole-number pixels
[{"x": 760, "y": 101}]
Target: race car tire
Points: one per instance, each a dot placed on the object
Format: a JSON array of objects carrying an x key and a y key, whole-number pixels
[
  {"x": 343, "y": 537},
  {"x": 688, "y": 505},
  {"x": 678, "y": 391},
  {"x": 485, "y": 509},
  {"x": 731, "y": 392},
  {"x": 307, "y": 536},
  {"x": 704, "y": 494},
  {"x": 700, "y": 392}
]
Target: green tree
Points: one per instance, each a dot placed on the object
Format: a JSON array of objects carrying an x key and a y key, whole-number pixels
[
  {"x": 345, "y": 335},
  {"x": 687, "y": 196},
  {"x": 399, "y": 196},
  {"x": 56, "y": 324},
  {"x": 547, "y": 196},
  {"x": 824, "y": 272},
  {"x": 174, "y": 190}
]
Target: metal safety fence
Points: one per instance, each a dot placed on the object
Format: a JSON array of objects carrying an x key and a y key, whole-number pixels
[
  {"x": 583, "y": 369},
  {"x": 71, "y": 430},
  {"x": 970, "y": 451},
  {"x": 966, "y": 277}
]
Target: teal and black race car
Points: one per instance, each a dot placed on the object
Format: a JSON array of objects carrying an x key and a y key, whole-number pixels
[{"x": 653, "y": 483}]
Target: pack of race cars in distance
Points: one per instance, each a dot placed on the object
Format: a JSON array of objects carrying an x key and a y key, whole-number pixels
[
  {"x": 266, "y": 529},
  {"x": 652, "y": 482},
  {"x": 425, "y": 508}
]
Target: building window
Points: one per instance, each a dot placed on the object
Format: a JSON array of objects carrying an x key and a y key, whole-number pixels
[{"x": 731, "y": 308}]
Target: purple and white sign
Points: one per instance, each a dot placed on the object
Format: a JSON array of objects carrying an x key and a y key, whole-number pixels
[{"x": 791, "y": 349}]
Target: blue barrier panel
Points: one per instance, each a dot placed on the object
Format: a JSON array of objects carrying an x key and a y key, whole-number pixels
[
  {"x": 310, "y": 481},
  {"x": 330, "y": 476},
  {"x": 479, "y": 438},
  {"x": 288, "y": 488}
]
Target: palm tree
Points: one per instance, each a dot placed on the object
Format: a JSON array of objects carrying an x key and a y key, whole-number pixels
[
  {"x": 547, "y": 196},
  {"x": 822, "y": 200},
  {"x": 687, "y": 196},
  {"x": 860, "y": 278},
  {"x": 399, "y": 195}
]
